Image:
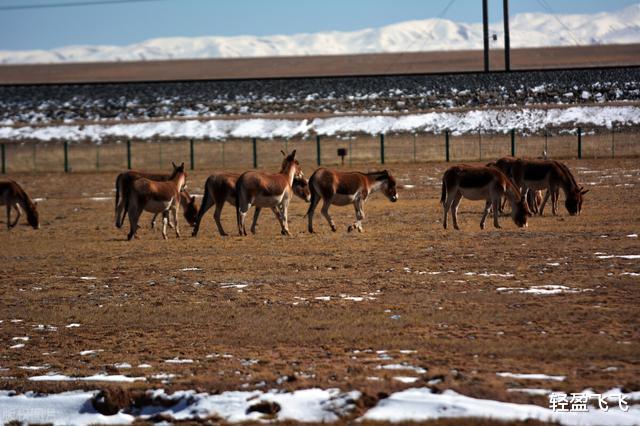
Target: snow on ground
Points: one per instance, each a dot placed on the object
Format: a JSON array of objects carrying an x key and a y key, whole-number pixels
[
  {"x": 307, "y": 405},
  {"x": 526, "y": 120},
  {"x": 68, "y": 408},
  {"x": 542, "y": 290},
  {"x": 534, "y": 29},
  {"x": 95, "y": 378},
  {"x": 532, "y": 376},
  {"x": 420, "y": 404}
]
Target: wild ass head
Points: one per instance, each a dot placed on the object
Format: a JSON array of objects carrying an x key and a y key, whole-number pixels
[
  {"x": 178, "y": 171},
  {"x": 189, "y": 207},
  {"x": 289, "y": 162},
  {"x": 389, "y": 186},
  {"x": 32, "y": 214},
  {"x": 301, "y": 188},
  {"x": 574, "y": 198}
]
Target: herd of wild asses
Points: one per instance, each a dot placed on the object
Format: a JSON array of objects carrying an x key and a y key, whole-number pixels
[{"x": 518, "y": 181}]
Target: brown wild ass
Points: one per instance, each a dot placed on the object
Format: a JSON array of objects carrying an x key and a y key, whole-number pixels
[
  {"x": 481, "y": 183},
  {"x": 14, "y": 197},
  {"x": 156, "y": 197},
  {"x": 123, "y": 188},
  {"x": 272, "y": 190},
  {"x": 551, "y": 175},
  {"x": 343, "y": 188},
  {"x": 221, "y": 188}
]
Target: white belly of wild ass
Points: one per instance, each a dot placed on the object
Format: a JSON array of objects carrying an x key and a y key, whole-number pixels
[{"x": 155, "y": 206}]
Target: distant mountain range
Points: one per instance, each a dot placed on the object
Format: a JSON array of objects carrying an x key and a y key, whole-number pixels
[{"x": 527, "y": 30}]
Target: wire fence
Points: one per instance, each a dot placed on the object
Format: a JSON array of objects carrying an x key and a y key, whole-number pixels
[{"x": 202, "y": 154}]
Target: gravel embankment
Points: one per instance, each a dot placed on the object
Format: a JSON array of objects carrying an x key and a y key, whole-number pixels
[{"x": 56, "y": 103}]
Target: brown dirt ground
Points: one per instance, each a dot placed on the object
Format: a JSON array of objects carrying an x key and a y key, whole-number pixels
[{"x": 142, "y": 307}]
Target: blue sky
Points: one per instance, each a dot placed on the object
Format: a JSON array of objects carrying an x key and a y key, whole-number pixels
[{"x": 121, "y": 24}]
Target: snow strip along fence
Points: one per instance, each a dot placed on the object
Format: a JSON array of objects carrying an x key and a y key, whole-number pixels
[{"x": 240, "y": 144}]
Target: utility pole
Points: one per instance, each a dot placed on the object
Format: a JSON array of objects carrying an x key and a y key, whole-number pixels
[
  {"x": 485, "y": 32},
  {"x": 505, "y": 18}
]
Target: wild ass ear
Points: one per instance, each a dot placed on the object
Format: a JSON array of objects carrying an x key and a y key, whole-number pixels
[
  {"x": 174, "y": 165},
  {"x": 284, "y": 154},
  {"x": 182, "y": 165},
  {"x": 292, "y": 155}
]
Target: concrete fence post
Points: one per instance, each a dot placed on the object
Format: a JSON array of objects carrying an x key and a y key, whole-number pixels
[
  {"x": 129, "y": 154},
  {"x": 192, "y": 154},
  {"x": 318, "y": 152},
  {"x": 513, "y": 142},
  {"x": 66, "y": 157},
  {"x": 381, "y": 148},
  {"x": 446, "y": 145},
  {"x": 579, "y": 142},
  {"x": 254, "y": 142}
]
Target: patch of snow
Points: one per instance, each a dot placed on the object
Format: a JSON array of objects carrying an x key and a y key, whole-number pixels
[
  {"x": 177, "y": 360},
  {"x": 419, "y": 404},
  {"x": 530, "y": 391},
  {"x": 620, "y": 256},
  {"x": 532, "y": 376},
  {"x": 406, "y": 379},
  {"x": 403, "y": 366},
  {"x": 72, "y": 325},
  {"x": 68, "y": 408},
  {"x": 95, "y": 378}
]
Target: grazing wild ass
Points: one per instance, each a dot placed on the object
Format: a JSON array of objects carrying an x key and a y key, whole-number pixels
[
  {"x": 221, "y": 188},
  {"x": 481, "y": 183},
  {"x": 123, "y": 189},
  {"x": 551, "y": 175},
  {"x": 156, "y": 197},
  {"x": 14, "y": 197},
  {"x": 272, "y": 190},
  {"x": 343, "y": 188}
]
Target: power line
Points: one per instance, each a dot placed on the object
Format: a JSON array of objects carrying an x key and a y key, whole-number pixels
[
  {"x": 548, "y": 8},
  {"x": 73, "y": 4}
]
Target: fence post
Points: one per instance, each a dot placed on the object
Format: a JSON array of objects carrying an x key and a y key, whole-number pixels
[
  {"x": 129, "y": 154},
  {"x": 513, "y": 142},
  {"x": 381, "y": 148},
  {"x": 66, "y": 156},
  {"x": 192, "y": 155},
  {"x": 318, "y": 153},
  {"x": 4, "y": 159},
  {"x": 613, "y": 142},
  {"x": 446, "y": 145},
  {"x": 255, "y": 153},
  {"x": 480, "y": 143},
  {"x": 579, "y": 143}
]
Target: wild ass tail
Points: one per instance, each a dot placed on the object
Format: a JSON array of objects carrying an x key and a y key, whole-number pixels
[
  {"x": 443, "y": 195},
  {"x": 117, "y": 199},
  {"x": 314, "y": 195}
]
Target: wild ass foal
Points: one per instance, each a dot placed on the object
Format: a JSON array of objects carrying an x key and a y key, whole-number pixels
[
  {"x": 14, "y": 197},
  {"x": 343, "y": 188},
  {"x": 157, "y": 197},
  {"x": 547, "y": 174},
  {"x": 481, "y": 183},
  {"x": 272, "y": 190},
  {"x": 123, "y": 189},
  {"x": 221, "y": 188}
]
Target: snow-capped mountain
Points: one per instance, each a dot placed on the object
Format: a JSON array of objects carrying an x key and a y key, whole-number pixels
[{"x": 527, "y": 30}]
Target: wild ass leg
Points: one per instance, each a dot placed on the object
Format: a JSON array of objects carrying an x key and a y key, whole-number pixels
[
  {"x": 217, "y": 214},
  {"x": 207, "y": 203},
  {"x": 554, "y": 201},
  {"x": 487, "y": 207},
  {"x": 544, "y": 202},
  {"x": 174, "y": 212},
  {"x": 284, "y": 214},
  {"x": 312, "y": 208},
  {"x": 18, "y": 214},
  {"x": 325, "y": 212},
  {"x": 454, "y": 210},
  {"x": 446, "y": 206},
  {"x": 359, "y": 216},
  {"x": 134, "y": 216},
  {"x": 9, "y": 226},
  {"x": 165, "y": 220},
  {"x": 256, "y": 215},
  {"x": 496, "y": 203}
]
